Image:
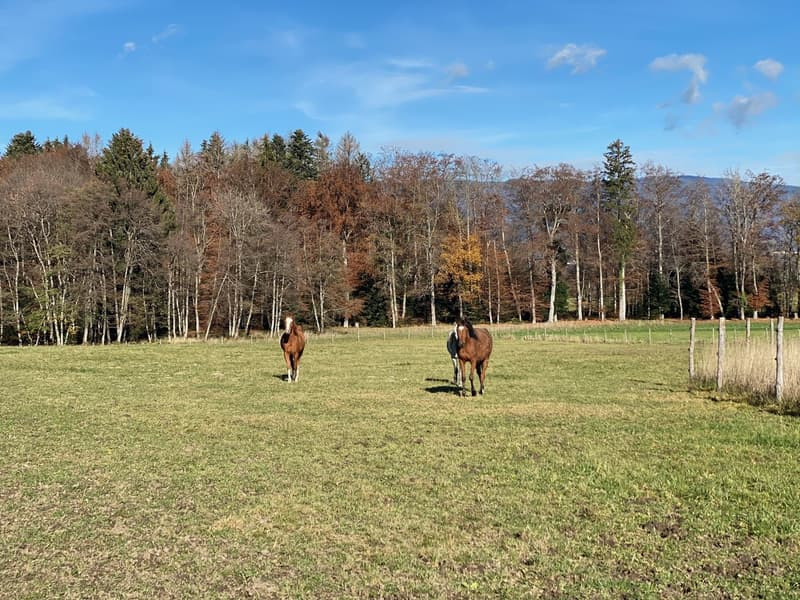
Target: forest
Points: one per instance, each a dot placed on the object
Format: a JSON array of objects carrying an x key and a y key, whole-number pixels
[{"x": 115, "y": 243}]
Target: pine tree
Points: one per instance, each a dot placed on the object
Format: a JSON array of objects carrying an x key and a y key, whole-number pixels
[
  {"x": 279, "y": 149},
  {"x": 619, "y": 202},
  {"x": 300, "y": 155},
  {"x": 125, "y": 164},
  {"x": 22, "y": 144},
  {"x": 214, "y": 153}
]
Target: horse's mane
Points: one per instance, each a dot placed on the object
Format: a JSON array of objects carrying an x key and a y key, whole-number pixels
[{"x": 470, "y": 328}]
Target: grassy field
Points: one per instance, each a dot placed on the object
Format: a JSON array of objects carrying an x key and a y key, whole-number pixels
[{"x": 588, "y": 470}]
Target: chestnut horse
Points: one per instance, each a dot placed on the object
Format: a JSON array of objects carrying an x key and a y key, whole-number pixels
[
  {"x": 452, "y": 350},
  {"x": 293, "y": 342},
  {"x": 474, "y": 347}
]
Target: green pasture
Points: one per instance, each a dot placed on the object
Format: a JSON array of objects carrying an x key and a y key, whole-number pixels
[{"x": 587, "y": 470}]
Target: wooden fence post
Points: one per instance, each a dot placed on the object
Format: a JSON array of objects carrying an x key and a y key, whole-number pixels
[
  {"x": 720, "y": 353},
  {"x": 779, "y": 362},
  {"x": 691, "y": 349}
]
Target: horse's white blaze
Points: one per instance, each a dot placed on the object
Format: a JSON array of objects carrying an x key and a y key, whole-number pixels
[{"x": 288, "y": 324}]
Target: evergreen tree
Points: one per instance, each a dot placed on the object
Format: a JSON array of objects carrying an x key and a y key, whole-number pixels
[
  {"x": 125, "y": 164},
  {"x": 279, "y": 149},
  {"x": 22, "y": 144},
  {"x": 264, "y": 149},
  {"x": 619, "y": 203},
  {"x": 300, "y": 155},
  {"x": 214, "y": 153}
]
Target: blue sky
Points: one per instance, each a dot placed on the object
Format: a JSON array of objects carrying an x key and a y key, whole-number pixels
[{"x": 700, "y": 87}]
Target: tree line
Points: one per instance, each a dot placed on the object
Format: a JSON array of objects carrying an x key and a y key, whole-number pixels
[{"x": 113, "y": 243}]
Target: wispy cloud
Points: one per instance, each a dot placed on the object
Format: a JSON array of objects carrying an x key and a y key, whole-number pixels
[
  {"x": 743, "y": 108},
  {"x": 695, "y": 63},
  {"x": 128, "y": 47},
  {"x": 170, "y": 30},
  {"x": 581, "y": 58},
  {"x": 410, "y": 63},
  {"x": 457, "y": 71},
  {"x": 371, "y": 88},
  {"x": 769, "y": 68},
  {"x": 61, "y": 106}
]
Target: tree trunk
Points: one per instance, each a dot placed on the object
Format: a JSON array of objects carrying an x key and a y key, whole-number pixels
[
  {"x": 433, "y": 296},
  {"x": 497, "y": 274},
  {"x": 514, "y": 294},
  {"x": 393, "y": 286},
  {"x": 622, "y": 298},
  {"x": 347, "y": 287},
  {"x": 551, "y": 316},
  {"x": 578, "y": 282},
  {"x": 533, "y": 291}
]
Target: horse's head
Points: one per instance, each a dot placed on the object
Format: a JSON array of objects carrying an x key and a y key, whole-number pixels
[
  {"x": 464, "y": 331},
  {"x": 289, "y": 321}
]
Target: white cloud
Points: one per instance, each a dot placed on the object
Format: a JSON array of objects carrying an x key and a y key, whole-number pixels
[
  {"x": 128, "y": 47},
  {"x": 410, "y": 63},
  {"x": 580, "y": 58},
  {"x": 59, "y": 106},
  {"x": 368, "y": 86},
  {"x": 457, "y": 70},
  {"x": 695, "y": 63},
  {"x": 743, "y": 108},
  {"x": 769, "y": 68},
  {"x": 170, "y": 31}
]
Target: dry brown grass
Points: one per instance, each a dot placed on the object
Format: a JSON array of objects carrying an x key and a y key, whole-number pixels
[{"x": 749, "y": 370}]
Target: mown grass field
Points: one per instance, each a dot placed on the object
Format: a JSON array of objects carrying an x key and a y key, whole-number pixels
[{"x": 588, "y": 470}]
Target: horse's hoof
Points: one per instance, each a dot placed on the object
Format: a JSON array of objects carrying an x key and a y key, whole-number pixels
[{"x": 473, "y": 393}]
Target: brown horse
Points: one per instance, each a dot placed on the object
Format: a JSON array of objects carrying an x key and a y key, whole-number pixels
[
  {"x": 474, "y": 347},
  {"x": 293, "y": 342}
]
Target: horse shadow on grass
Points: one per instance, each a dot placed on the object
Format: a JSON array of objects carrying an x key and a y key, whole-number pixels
[{"x": 449, "y": 388}]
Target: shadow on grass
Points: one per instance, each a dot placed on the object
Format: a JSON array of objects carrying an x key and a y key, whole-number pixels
[{"x": 442, "y": 389}]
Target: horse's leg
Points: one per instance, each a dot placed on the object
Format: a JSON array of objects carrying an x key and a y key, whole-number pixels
[
  {"x": 297, "y": 367},
  {"x": 455, "y": 371},
  {"x": 484, "y": 365},
  {"x": 461, "y": 370},
  {"x": 472, "y": 367},
  {"x": 288, "y": 357}
]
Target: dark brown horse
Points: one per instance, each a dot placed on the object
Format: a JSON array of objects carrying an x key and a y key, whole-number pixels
[
  {"x": 293, "y": 342},
  {"x": 474, "y": 347}
]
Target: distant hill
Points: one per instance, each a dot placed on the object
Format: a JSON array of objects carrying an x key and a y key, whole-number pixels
[{"x": 714, "y": 183}]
